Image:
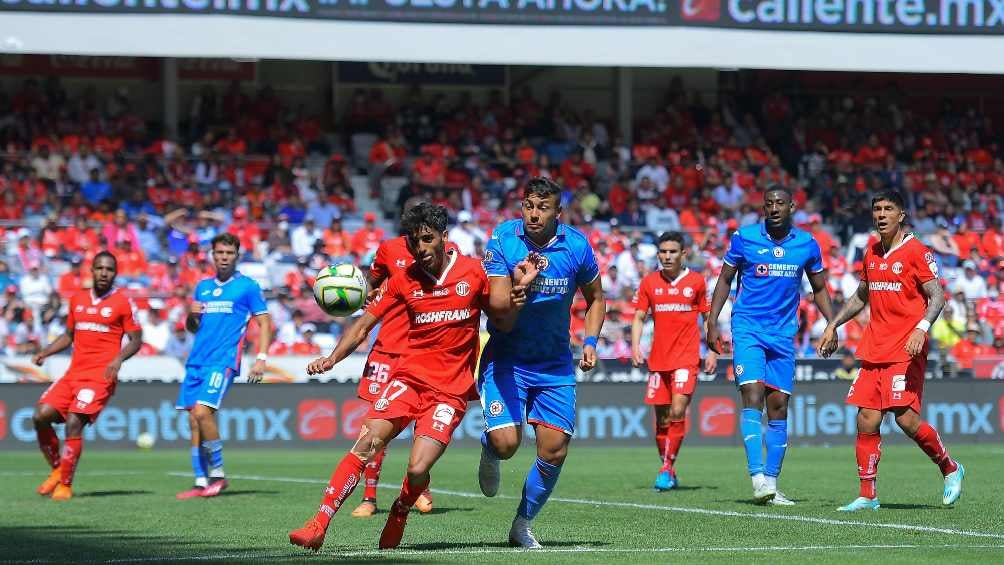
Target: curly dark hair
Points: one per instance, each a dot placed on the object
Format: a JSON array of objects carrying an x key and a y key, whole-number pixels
[{"x": 424, "y": 214}]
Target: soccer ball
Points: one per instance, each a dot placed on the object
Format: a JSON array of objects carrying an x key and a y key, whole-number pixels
[
  {"x": 145, "y": 441},
  {"x": 340, "y": 289}
]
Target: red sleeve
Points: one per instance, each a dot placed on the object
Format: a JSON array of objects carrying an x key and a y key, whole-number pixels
[
  {"x": 390, "y": 296},
  {"x": 485, "y": 289},
  {"x": 641, "y": 299},
  {"x": 70, "y": 322},
  {"x": 702, "y": 296},
  {"x": 925, "y": 268},
  {"x": 379, "y": 270},
  {"x": 129, "y": 323}
]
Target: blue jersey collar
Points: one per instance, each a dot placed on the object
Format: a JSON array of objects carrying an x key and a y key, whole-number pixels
[{"x": 763, "y": 232}]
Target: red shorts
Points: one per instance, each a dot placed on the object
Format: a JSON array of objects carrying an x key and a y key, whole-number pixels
[
  {"x": 662, "y": 385},
  {"x": 81, "y": 396},
  {"x": 881, "y": 386},
  {"x": 436, "y": 414},
  {"x": 379, "y": 366}
]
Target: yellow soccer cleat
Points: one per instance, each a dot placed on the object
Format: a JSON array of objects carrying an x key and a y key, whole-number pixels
[
  {"x": 62, "y": 492},
  {"x": 49, "y": 484}
]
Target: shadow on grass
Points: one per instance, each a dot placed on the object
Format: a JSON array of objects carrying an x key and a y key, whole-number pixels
[
  {"x": 244, "y": 492},
  {"x": 913, "y": 507},
  {"x": 99, "y": 493},
  {"x": 436, "y": 510},
  {"x": 497, "y": 545}
]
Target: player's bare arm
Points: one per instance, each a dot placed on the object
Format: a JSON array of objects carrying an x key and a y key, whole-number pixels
[
  {"x": 637, "y": 326},
  {"x": 718, "y": 299},
  {"x": 935, "y": 302},
  {"x": 351, "y": 340},
  {"x": 59, "y": 344},
  {"x": 130, "y": 349},
  {"x": 264, "y": 341},
  {"x": 508, "y": 296},
  {"x": 854, "y": 305},
  {"x": 596, "y": 309}
]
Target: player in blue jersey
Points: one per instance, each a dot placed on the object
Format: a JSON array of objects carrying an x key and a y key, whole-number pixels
[
  {"x": 770, "y": 259},
  {"x": 219, "y": 316},
  {"x": 528, "y": 372}
]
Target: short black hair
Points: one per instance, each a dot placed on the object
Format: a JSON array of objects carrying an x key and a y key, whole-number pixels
[
  {"x": 671, "y": 236},
  {"x": 890, "y": 195},
  {"x": 542, "y": 187},
  {"x": 107, "y": 254},
  {"x": 226, "y": 238},
  {"x": 424, "y": 214},
  {"x": 781, "y": 188}
]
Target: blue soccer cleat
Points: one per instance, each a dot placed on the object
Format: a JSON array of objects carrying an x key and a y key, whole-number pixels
[
  {"x": 861, "y": 503},
  {"x": 665, "y": 480},
  {"x": 953, "y": 485}
]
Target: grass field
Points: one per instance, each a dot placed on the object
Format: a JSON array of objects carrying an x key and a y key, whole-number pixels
[{"x": 603, "y": 510}]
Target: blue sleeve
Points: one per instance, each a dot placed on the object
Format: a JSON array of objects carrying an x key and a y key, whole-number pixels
[
  {"x": 588, "y": 269},
  {"x": 256, "y": 300},
  {"x": 734, "y": 256},
  {"x": 494, "y": 262},
  {"x": 815, "y": 263}
]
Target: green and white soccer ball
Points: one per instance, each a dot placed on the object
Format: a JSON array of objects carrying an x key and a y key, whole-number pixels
[
  {"x": 145, "y": 440},
  {"x": 340, "y": 290}
]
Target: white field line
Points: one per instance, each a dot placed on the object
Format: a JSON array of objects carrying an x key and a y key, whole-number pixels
[{"x": 683, "y": 509}]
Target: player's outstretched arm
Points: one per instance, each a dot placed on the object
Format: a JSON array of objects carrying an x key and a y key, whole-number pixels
[
  {"x": 718, "y": 299},
  {"x": 935, "y": 302},
  {"x": 350, "y": 341},
  {"x": 854, "y": 304},
  {"x": 59, "y": 344},
  {"x": 131, "y": 348},
  {"x": 596, "y": 309}
]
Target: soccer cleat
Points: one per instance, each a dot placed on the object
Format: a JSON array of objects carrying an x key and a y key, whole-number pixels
[
  {"x": 62, "y": 492},
  {"x": 393, "y": 530},
  {"x": 489, "y": 474},
  {"x": 216, "y": 486},
  {"x": 953, "y": 485},
  {"x": 781, "y": 500},
  {"x": 763, "y": 493},
  {"x": 424, "y": 502},
  {"x": 310, "y": 536},
  {"x": 665, "y": 480},
  {"x": 861, "y": 503},
  {"x": 190, "y": 493},
  {"x": 365, "y": 509},
  {"x": 521, "y": 536},
  {"x": 49, "y": 484}
]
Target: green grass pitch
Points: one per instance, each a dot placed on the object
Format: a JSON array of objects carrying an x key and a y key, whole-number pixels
[{"x": 603, "y": 510}]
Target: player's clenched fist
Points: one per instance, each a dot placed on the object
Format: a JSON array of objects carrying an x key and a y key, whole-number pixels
[
  {"x": 320, "y": 365},
  {"x": 588, "y": 361},
  {"x": 196, "y": 307}
]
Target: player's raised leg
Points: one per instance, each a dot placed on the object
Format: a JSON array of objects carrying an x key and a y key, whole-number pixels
[
  {"x": 48, "y": 442},
  {"x": 503, "y": 403},
  {"x": 373, "y": 437}
]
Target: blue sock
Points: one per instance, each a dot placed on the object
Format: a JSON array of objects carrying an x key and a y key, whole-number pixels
[
  {"x": 215, "y": 449},
  {"x": 777, "y": 442},
  {"x": 539, "y": 483},
  {"x": 752, "y": 429},
  {"x": 487, "y": 445},
  {"x": 199, "y": 464}
]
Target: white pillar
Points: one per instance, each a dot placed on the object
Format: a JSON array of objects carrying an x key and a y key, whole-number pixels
[
  {"x": 625, "y": 104},
  {"x": 169, "y": 81}
]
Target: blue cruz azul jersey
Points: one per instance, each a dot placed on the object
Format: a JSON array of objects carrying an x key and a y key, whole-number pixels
[
  {"x": 770, "y": 275},
  {"x": 538, "y": 346},
  {"x": 227, "y": 307}
]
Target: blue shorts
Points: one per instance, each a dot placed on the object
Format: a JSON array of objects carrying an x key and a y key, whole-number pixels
[
  {"x": 204, "y": 385},
  {"x": 506, "y": 400},
  {"x": 764, "y": 358}
]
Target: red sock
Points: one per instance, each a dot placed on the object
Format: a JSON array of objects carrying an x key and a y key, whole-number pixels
[
  {"x": 661, "y": 441},
  {"x": 675, "y": 436},
  {"x": 48, "y": 442},
  {"x": 928, "y": 439},
  {"x": 68, "y": 462},
  {"x": 372, "y": 474},
  {"x": 411, "y": 491},
  {"x": 869, "y": 451},
  {"x": 343, "y": 481}
]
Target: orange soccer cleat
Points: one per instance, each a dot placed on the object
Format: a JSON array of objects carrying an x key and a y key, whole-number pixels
[
  {"x": 49, "y": 484},
  {"x": 393, "y": 530},
  {"x": 365, "y": 509},
  {"x": 310, "y": 536},
  {"x": 424, "y": 502},
  {"x": 62, "y": 492}
]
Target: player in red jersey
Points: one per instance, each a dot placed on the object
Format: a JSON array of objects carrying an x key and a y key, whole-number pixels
[
  {"x": 900, "y": 285},
  {"x": 442, "y": 294},
  {"x": 94, "y": 326},
  {"x": 392, "y": 256},
  {"x": 675, "y": 296}
]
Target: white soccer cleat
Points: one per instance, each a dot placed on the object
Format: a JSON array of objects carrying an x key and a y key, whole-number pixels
[
  {"x": 521, "y": 536},
  {"x": 781, "y": 500},
  {"x": 489, "y": 474},
  {"x": 763, "y": 492}
]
